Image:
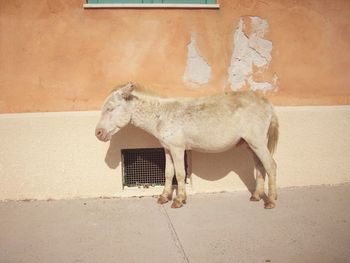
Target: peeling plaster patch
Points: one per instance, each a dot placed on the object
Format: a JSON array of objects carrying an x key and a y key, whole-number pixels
[
  {"x": 264, "y": 86},
  {"x": 197, "y": 69},
  {"x": 259, "y": 85},
  {"x": 250, "y": 50}
]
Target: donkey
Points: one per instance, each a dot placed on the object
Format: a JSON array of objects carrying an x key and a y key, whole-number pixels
[{"x": 206, "y": 124}]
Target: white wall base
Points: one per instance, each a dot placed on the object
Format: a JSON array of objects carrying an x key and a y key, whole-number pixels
[{"x": 56, "y": 155}]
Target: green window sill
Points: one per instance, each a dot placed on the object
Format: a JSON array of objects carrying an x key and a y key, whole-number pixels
[
  {"x": 110, "y": 4},
  {"x": 160, "y": 5}
]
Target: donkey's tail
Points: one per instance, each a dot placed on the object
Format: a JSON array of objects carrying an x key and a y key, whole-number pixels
[{"x": 272, "y": 134}]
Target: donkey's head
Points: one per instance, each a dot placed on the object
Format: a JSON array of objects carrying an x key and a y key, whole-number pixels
[{"x": 116, "y": 112}]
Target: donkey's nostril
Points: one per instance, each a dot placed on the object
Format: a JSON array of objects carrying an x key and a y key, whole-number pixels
[{"x": 99, "y": 132}]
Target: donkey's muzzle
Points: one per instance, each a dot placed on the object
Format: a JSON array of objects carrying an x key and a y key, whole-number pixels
[{"x": 101, "y": 134}]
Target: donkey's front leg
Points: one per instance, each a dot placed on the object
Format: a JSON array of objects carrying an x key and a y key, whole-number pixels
[
  {"x": 178, "y": 155},
  {"x": 169, "y": 174}
]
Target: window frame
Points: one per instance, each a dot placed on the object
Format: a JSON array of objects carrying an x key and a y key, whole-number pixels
[{"x": 93, "y": 4}]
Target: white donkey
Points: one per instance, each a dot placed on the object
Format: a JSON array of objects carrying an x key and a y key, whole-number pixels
[{"x": 207, "y": 124}]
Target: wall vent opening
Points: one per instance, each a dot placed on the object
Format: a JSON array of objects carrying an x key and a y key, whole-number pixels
[{"x": 145, "y": 167}]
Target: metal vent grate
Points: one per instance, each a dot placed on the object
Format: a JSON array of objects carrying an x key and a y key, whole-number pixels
[{"x": 144, "y": 167}]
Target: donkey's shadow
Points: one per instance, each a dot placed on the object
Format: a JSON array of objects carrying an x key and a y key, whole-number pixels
[
  {"x": 215, "y": 166},
  {"x": 129, "y": 137},
  {"x": 208, "y": 166}
]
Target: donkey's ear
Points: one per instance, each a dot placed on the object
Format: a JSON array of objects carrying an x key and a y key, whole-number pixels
[{"x": 125, "y": 91}]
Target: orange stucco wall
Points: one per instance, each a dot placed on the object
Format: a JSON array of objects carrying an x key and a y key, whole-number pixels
[{"x": 58, "y": 56}]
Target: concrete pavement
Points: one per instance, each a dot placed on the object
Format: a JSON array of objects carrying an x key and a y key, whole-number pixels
[{"x": 309, "y": 224}]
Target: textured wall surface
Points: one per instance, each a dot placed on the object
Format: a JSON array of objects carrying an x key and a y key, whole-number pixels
[{"x": 56, "y": 56}]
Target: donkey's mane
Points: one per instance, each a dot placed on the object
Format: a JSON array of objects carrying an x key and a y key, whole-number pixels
[
  {"x": 147, "y": 94},
  {"x": 138, "y": 88}
]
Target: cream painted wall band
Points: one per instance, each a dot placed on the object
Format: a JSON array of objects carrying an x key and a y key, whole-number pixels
[
  {"x": 49, "y": 114},
  {"x": 97, "y": 113},
  {"x": 56, "y": 155},
  {"x": 313, "y": 108}
]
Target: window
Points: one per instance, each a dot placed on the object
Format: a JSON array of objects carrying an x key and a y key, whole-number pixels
[
  {"x": 151, "y": 4},
  {"x": 146, "y": 167}
]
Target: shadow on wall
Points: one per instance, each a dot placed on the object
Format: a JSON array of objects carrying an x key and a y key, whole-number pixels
[
  {"x": 129, "y": 137},
  {"x": 215, "y": 166},
  {"x": 208, "y": 166}
]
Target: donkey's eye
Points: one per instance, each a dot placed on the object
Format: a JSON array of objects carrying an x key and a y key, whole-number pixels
[{"x": 109, "y": 109}]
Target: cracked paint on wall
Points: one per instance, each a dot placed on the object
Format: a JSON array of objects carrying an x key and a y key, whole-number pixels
[
  {"x": 197, "y": 69},
  {"x": 152, "y": 48},
  {"x": 251, "y": 50}
]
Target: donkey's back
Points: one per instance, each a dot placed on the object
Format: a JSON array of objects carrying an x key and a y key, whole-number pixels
[{"x": 214, "y": 124}]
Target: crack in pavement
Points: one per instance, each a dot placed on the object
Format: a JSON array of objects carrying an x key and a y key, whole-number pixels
[{"x": 174, "y": 235}]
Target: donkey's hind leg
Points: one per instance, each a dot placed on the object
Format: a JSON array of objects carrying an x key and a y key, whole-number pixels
[
  {"x": 260, "y": 180},
  {"x": 169, "y": 174},
  {"x": 262, "y": 152}
]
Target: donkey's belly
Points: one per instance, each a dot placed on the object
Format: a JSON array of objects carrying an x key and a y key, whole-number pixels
[{"x": 212, "y": 143}]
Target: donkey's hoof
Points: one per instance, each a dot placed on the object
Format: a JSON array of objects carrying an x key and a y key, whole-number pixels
[
  {"x": 177, "y": 204},
  {"x": 269, "y": 205},
  {"x": 162, "y": 200},
  {"x": 254, "y": 198}
]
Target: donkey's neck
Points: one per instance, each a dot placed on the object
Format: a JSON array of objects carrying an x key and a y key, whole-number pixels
[{"x": 146, "y": 114}]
